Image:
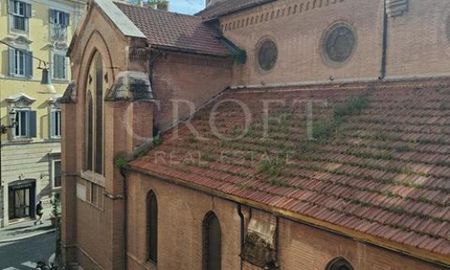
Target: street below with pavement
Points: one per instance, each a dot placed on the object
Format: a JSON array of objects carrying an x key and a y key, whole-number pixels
[
  {"x": 24, "y": 244},
  {"x": 23, "y": 254}
]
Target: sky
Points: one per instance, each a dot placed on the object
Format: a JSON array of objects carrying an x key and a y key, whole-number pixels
[{"x": 186, "y": 6}]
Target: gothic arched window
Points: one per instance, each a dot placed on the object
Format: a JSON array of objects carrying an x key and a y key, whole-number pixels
[
  {"x": 152, "y": 226},
  {"x": 339, "y": 264},
  {"x": 212, "y": 243},
  {"x": 94, "y": 116}
]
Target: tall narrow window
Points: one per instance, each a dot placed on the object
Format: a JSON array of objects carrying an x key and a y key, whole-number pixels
[
  {"x": 59, "y": 21},
  {"x": 25, "y": 123},
  {"x": 89, "y": 132},
  {"x": 55, "y": 121},
  {"x": 20, "y": 63},
  {"x": 152, "y": 226},
  {"x": 20, "y": 12},
  {"x": 212, "y": 243},
  {"x": 94, "y": 115},
  {"x": 98, "y": 115}
]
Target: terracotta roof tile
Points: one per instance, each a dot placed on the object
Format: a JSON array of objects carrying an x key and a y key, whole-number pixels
[
  {"x": 174, "y": 31},
  {"x": 371, "y": 174}
]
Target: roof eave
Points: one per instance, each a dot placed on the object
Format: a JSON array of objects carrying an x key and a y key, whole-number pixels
[{"x": 187, "y": 50}]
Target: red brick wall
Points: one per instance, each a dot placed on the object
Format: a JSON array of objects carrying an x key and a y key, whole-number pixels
[
  {"x": 419, "y": 44},
  {"x": 180, "y": 216},
  {"x": 304, "y": 247},
  {"x": 95, "y": 236},
  {"x": 298, "y": 36},
  {"x": 187, "y": 77}
]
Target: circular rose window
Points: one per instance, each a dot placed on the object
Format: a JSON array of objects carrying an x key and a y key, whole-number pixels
[
  {"x": 339, "y": 43},
  {"x": 267, "y": 54}
]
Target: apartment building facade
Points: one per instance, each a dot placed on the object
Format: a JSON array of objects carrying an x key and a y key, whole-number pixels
[{"x": 32, "y": 33}]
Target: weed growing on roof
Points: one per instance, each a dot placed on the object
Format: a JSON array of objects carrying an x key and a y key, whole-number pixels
[
  {"x": 444, "y": 106},
  {"x": 271, "y": 166},
  {"x": 403, "y": 148},
  {"x": 207, "y": 156},
  {"x": 326, "y": 128},
  {"x": 278, "y": 182},
  {"x": 191, "y": 139}
]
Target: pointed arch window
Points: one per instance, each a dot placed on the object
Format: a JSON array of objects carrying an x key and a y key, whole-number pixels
[
  {"x": 212, "y": 243},
  {"x": 339, "y": 264},
  {"x": 152, "y": 227},
  {"x": 94, "y": 116}
]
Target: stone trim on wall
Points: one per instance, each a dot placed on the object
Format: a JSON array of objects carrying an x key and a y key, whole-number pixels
[{"x": 278, "y": 12}]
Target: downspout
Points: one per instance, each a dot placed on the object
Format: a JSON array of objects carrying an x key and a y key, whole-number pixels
[
  {"x": 385, "y": 42},
  {"x": 125, "y": 220},
  {"x": 241, "y": 215}
]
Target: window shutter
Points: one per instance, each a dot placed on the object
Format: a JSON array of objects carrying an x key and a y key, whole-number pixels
[
  {"x": 29, "y": 64},
  {"x": 11, "y": 6},
  {"x": 66, "y": 21},
  {"x": 27, "y": 10},
  {"x": 32, "y": 124},
  {"x": 51, "y": 15},
  {"x": 52, "y": 124},
  {"x": 12, "y": 62}
]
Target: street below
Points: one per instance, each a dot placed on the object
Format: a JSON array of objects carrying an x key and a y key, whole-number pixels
[{"x": 23, "y": 254}]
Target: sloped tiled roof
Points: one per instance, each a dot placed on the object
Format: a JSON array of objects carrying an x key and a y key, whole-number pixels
[
  {"x": 229, "y": 6},
  {"x": 379, "y": 164},
  {"x": 174, "y": 31}
]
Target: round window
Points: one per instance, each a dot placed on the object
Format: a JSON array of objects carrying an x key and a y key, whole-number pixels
[
  {"x": 267, "y": 54},
  {"x": 339, "y": 43}
]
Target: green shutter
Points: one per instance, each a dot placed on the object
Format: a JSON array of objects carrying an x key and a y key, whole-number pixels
[
  {"x": 51, "y": 15},
  {"x": 11, "y": 6},
  {"x": 66, "y": 20},
  {"x": 27, "y": 10},
  {"x": 28, "y": 64},
  {"x": 12, "y": 62},
  {"x": 32, "y": 124}
]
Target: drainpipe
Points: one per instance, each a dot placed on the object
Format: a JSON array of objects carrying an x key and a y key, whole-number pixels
[
  {"x": 385, "y": 42},
  {"x": 125, "y": 220},
  {"x": 241, "y": 215}
]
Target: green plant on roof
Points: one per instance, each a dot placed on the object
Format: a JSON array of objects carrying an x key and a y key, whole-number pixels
[
  {"x": 271, "y": 166},
  {"x": 191, "y": 139},
  {"x": 325, "y": 129}
]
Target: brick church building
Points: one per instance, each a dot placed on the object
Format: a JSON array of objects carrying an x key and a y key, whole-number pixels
[{"x": 259, "y": 134}]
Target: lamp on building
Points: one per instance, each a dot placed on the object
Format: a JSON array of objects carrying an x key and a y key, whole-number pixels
[
  {"x": 12, "y": 122},
  {"x": 46, "y": 81}
]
